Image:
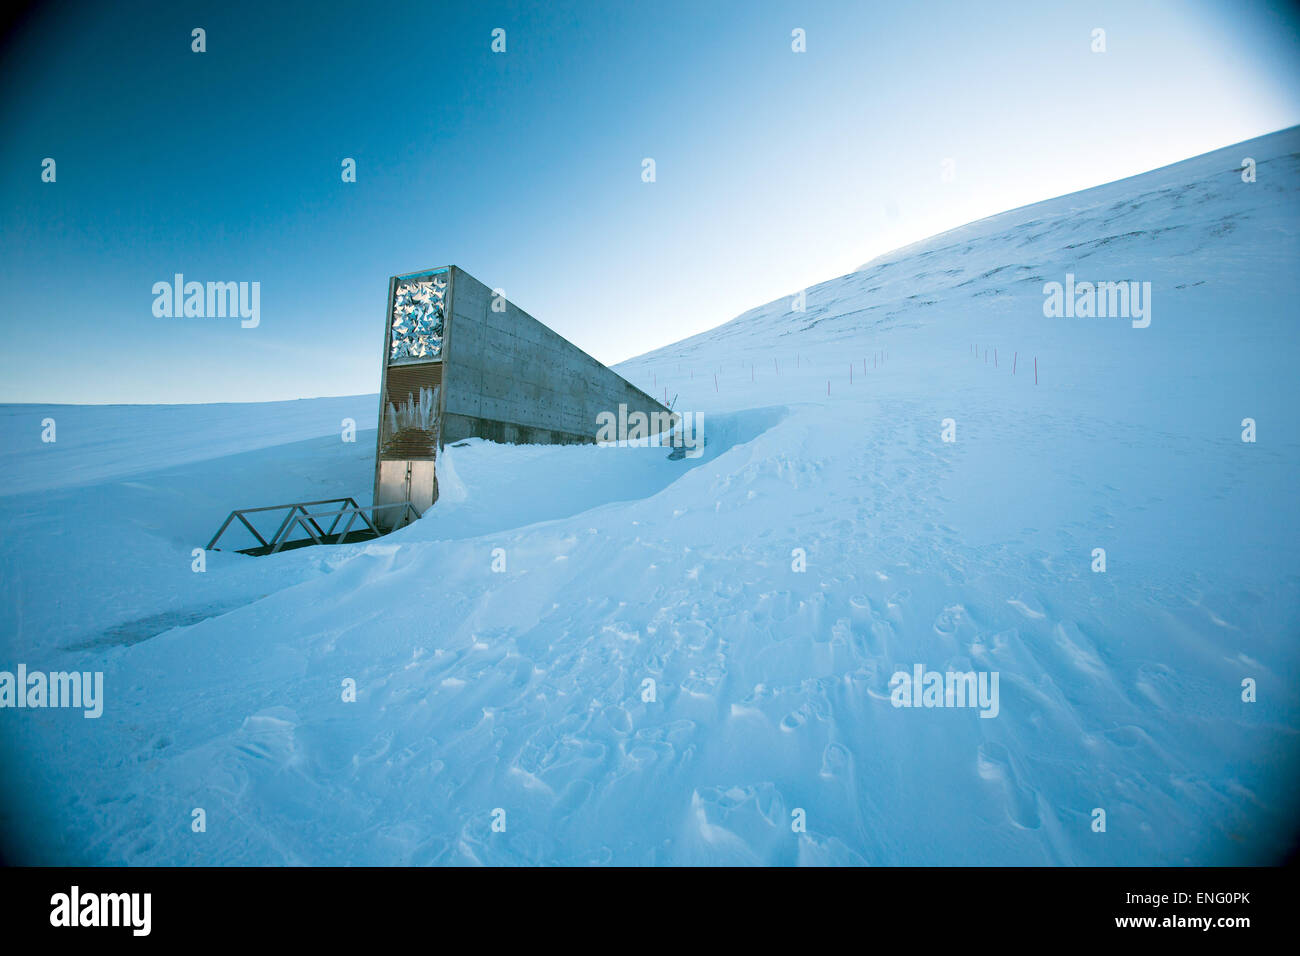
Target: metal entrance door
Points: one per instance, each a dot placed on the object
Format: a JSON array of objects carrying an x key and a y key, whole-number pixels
[{"x": 400, "y": 481}]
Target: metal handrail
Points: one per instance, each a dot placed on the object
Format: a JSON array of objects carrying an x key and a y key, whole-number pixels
[
  {"x": 301, "y": 504},
  {"x": 299, "y": 516}
]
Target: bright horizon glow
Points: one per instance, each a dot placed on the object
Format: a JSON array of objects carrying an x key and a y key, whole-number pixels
[
  {"x": 776, "y": 170},
  {"x": 973, "y": 210}
]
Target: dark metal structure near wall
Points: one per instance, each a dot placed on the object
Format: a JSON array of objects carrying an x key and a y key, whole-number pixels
[{"x": 462, "y": 362}]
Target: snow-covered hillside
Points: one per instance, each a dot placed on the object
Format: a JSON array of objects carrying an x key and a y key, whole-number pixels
[{"x": 522, "y": 690}]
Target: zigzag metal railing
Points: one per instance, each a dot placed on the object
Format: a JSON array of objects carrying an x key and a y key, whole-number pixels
[{"x": 299, "y": 516}]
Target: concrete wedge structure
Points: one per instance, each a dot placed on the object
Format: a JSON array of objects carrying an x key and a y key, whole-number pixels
[{"x": 460, "y": 361}]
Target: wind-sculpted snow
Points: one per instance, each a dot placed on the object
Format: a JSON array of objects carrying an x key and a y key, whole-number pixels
[{"x": 502, "y": 647}]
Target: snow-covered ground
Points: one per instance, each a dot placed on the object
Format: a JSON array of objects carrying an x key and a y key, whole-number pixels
[{"x": 522, "y": 689}]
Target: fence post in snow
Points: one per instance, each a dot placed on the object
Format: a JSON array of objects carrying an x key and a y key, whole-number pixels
[
  {"x": 1013, "y": 363},
  {"x": 715, "y": 381},
  {"x": 1035, "y": 369}
]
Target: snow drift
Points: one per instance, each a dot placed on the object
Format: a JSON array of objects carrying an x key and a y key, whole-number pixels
[{"x": 614, "y": 656}]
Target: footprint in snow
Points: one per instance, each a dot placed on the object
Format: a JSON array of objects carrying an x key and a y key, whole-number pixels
[
  {"x": 373, "y": 750},
  {"x": 835, "y": 760},
  {"x": 945, "y": 625},
  {"x": 575, "y": 795},
  {"x": 1028, "y": 605},
  {"x": 268, "y": 736},
  {"x": 619, "y": 720},
  {"x": 795, "y": 719},
  {"x": 994, "y": 764},
  {"x": 1078, "y": 649}
]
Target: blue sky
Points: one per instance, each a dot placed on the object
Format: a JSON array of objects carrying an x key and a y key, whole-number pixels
[{"x": 775, "y": 170}]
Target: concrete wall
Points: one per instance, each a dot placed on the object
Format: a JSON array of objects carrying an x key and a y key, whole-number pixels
[{"x": 509, "y": 378}]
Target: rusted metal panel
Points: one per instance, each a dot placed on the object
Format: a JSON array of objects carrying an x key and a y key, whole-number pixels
[
  {"x": 403, "y": 389},
  {"x": 405, "y": 381}
]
